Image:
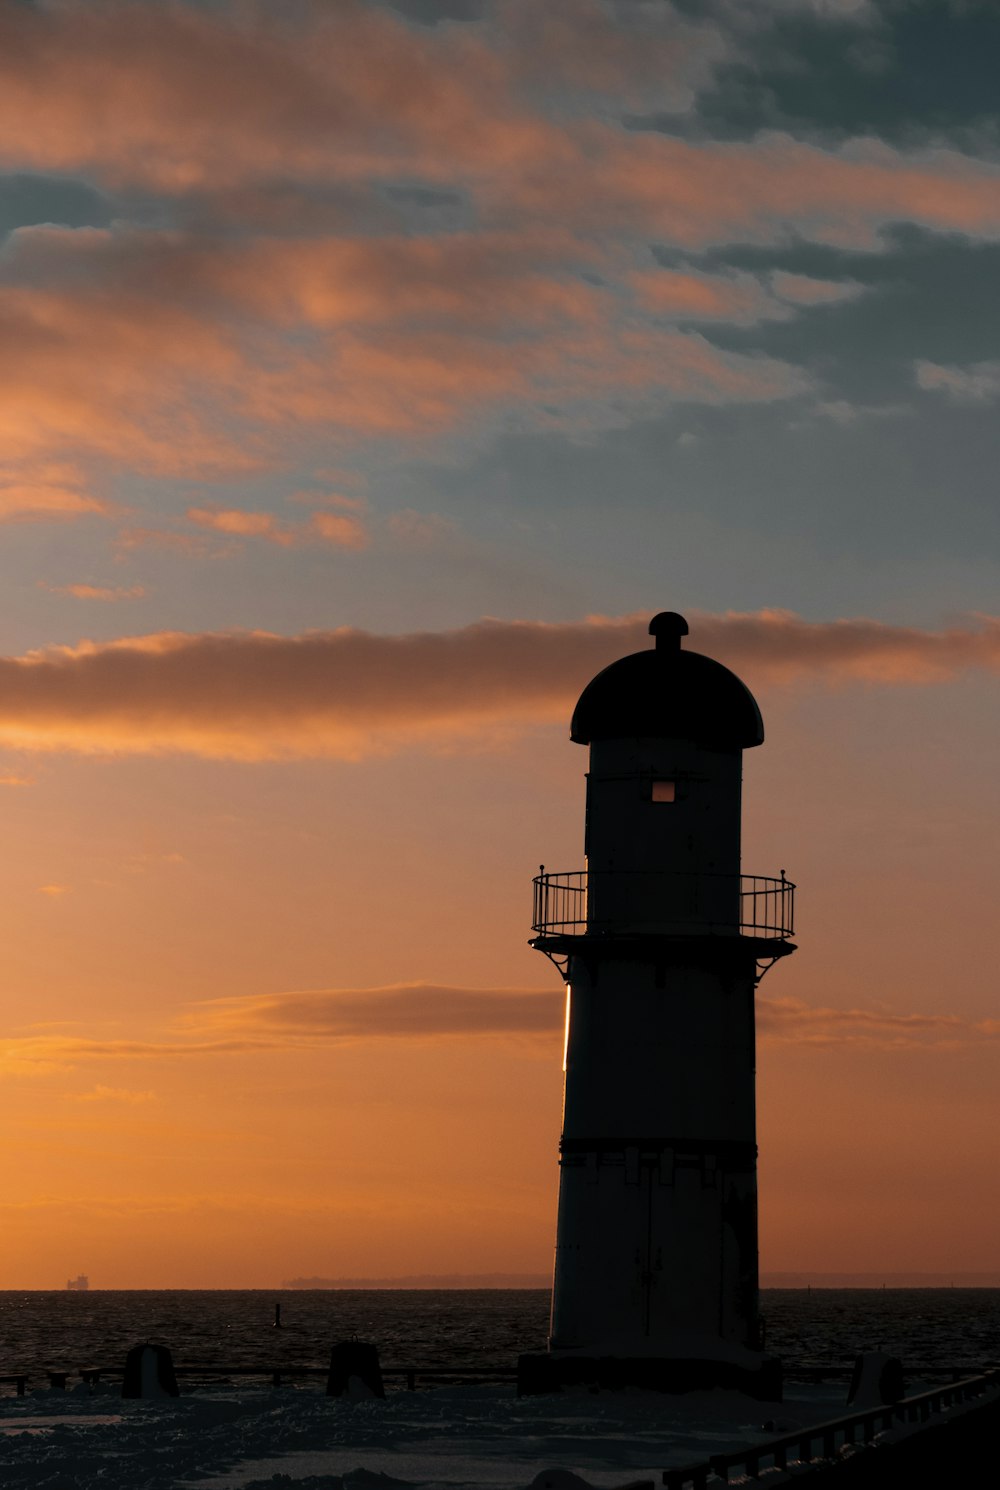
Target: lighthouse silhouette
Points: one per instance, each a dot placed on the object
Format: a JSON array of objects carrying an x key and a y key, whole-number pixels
[{"x": 661, "y": 942}]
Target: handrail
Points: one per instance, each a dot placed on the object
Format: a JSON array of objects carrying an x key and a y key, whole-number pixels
[
  {"x": 563, "y": 901},
  {"x": 870, "y": 1420}
]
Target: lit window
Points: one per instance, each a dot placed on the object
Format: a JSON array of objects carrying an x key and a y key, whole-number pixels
[{"x": 664, "y": 791}]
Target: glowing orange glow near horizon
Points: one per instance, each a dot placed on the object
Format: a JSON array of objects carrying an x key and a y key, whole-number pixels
[
  {"x": 193, "y": 1108},
  {"x": 370, "y": 372}
]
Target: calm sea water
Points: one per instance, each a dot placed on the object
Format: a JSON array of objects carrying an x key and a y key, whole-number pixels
[{"x": 427, "y": 1327}]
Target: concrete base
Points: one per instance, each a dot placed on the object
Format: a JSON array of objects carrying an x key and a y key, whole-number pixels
[{"x": 539, "y": 1374}]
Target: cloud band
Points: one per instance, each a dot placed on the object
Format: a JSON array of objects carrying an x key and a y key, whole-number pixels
[{"x": 348, "y": 693}]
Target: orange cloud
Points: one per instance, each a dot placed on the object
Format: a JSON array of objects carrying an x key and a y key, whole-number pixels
[
  {"x": 225, "y": 97},
  {"x": 127, "y": 376},
  {"x": 765, "y": 191},
  {"x": 342, "y": 529},
  {"x": 197, "y": 352},
  {"x": 181, "y": 357},
  {"x": 243, "y": 524},
  {"x": 685, "y": 295},
  {"x": 779, "y": 647},
  {"x": 45, "y": 491},
  {"x": 222, "y": 96},
  {"x": 339, "y": 528},
  {"x": 99, "y": 592},
  {"x": 347, "y": 693}
]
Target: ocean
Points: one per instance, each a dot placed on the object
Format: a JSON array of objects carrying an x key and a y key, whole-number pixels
[{"x": 809, "y": 1329}]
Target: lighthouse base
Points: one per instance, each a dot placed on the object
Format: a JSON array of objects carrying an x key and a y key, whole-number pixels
[{"x": 553, "y": 1371}]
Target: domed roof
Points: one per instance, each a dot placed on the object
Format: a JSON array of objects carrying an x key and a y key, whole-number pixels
[{"x": 668, "y": 693}]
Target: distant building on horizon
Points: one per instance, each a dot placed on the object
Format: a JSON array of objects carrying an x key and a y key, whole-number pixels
[{"x": 79, "y": 1284}]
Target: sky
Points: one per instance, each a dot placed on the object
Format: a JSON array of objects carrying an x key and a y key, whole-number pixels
[{"x": 371, "y": 372}]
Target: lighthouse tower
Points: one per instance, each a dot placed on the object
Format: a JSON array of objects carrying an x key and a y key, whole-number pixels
[{"x": 661, "y": 942}]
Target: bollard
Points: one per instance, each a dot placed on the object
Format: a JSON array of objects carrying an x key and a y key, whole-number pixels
[
  {"x": 354, "y": 1371},
  {"x": 149, "y": 1372},
  {"x": 877, "y": 1378}
]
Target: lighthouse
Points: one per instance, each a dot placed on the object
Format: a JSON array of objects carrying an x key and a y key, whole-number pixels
[{"x": 661, "y": 941}]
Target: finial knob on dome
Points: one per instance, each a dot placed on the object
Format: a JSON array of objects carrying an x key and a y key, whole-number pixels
[{"x": 668, "y": 628}]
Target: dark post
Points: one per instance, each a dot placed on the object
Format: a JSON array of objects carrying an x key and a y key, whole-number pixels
[{"x": 354, "y": 1370}]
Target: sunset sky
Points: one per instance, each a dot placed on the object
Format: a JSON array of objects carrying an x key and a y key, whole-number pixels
[{"x": 371, "y": 373}]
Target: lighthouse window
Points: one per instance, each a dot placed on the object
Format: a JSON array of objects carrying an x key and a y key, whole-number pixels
[{"x": 664, "y": 791}]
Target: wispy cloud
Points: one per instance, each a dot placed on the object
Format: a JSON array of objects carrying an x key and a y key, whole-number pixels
[
  {"x": 399, "y": 1010},
  {"x": 222, "y": 96},
  {"x": 259, "y": 1023},
  {"x": 196, "y": 350},
  {"x": 267, "y": 1022},
  {"x": 339, "y": 529},
  {"x": 977, "y": 383},
  {"x": 193, "y": 545},
  {"x": 348, "y": 693},
  {"x": 46, "y": 492},
  {"x": 431, "y": 1010},
  {"x": 232, "y": 97},
  {"x": 107, "y": 593},
  {"x": 792, "y": 1020},
  {"x": 179, "y": 357},
  {"x": 737, "y": 297},
  {"x": 801, "y": 289},
  {"x": 421, "y": 529}
]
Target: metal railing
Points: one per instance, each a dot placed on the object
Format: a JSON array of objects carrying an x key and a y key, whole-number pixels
[
  {"x": 822, "y": 1441},
  {"x": 766, "y": 904},
  {"x": 560, "y": 902}
]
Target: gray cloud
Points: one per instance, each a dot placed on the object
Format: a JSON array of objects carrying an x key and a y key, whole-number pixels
[
  {"x": 791, "y": 1020},
  {"x": 826, "y": 69},
  {"x": 978, "y": 383}
]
